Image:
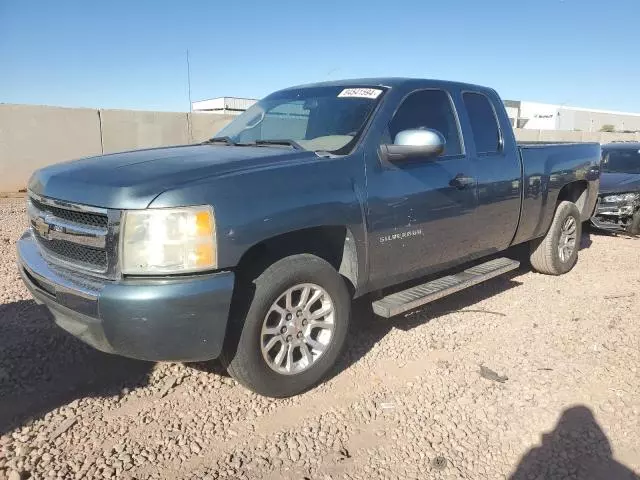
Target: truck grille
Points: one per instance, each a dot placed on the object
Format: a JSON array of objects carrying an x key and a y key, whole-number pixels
[
  {"x": 83, "y": 218},
  {"x": 75, "y": 253},
  {"x": 73, "y": 235}
]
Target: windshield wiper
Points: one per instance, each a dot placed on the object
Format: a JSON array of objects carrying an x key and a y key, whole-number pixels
[
  {"x": 229, "y": 141},
  {"x": 225, "y": 140},
  {"x": 291, "y": 143},
  {"x": 324, "y": 153}
]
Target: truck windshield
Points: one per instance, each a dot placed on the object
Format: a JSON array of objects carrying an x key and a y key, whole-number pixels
[
  {"x": 622, "y": 161},
  {"x": 328, "y": 119}
]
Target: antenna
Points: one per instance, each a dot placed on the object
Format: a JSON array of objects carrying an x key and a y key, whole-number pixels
[
  {"x": 189, "y": 120},
  {"x": 189, "y": 82},
  {"x": 333, "y": 70}
]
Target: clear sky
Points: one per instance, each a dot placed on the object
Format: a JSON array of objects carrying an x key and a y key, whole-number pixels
[{"x": 131, "y": 53}]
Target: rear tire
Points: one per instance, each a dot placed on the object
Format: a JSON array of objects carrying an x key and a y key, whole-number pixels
[
  {"x": 557, "y": 252},
  {"x": 278, "y": 315}
]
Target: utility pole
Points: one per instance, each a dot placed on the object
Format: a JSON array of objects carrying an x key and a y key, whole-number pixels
[
  {"x": 189, "y": 82},
  {"x": 190, "y": 130}
]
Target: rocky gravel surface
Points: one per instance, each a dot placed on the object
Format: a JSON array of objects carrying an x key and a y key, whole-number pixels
[{"x": 524, "y": 377}]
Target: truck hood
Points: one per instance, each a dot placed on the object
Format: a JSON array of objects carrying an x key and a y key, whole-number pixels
[
  {"x": 131, "y": 180},
  {"x": 619, "y": 182}
]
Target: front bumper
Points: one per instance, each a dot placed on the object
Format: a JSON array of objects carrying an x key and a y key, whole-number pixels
[
  {"x": 612, "y": 216},
  {"x": 177, "y": 319}
]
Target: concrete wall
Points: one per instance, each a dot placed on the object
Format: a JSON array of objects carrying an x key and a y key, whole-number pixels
[
  {"x": 129, "y": 130},
  {"x": 523, "y": 135},
  {"x": 206, "y": 125},
  {"x": 35, "y": 136},
  {"x": 527, "y": 135}
]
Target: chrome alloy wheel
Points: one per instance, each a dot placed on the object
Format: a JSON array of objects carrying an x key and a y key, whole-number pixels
[
  {"x": 568, "y": 238},
  {"x": 297, "y": 329}
]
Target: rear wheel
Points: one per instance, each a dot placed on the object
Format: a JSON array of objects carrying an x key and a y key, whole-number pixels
[
  {"x": 294, "y": 329},
  {"x": 557, "y": 252}
]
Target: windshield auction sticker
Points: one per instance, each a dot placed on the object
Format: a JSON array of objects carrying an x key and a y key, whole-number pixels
[{"x": 360, "y": 92}]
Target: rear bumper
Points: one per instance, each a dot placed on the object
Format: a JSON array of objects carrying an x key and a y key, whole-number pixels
[{"x": 179, "y": 319}]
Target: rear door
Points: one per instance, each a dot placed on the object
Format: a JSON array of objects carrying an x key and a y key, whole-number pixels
[
  {"x": 492, "y": 151},
  {"x": 420, "y": 212}
]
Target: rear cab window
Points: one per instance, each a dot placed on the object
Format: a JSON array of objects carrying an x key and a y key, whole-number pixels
[{"x": 484, "y": 123}]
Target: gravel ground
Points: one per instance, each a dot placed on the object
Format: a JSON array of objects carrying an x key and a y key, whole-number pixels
[{"x": 524, "y": 377}]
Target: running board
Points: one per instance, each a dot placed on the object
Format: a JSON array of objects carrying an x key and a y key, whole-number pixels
[{"x": 414, "y": 297}]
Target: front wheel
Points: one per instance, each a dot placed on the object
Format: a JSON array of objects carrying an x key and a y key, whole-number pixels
[
  {"x": 557, "y": 252},
  {"x": 634, "y": 226},
  {"x": 294, "y": 330}
]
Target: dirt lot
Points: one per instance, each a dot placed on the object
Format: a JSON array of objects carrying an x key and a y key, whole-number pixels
[{"x": 562, "y": 397}]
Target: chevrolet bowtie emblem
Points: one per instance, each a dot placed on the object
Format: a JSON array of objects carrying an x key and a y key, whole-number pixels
[{"x": 42, "y": 227}]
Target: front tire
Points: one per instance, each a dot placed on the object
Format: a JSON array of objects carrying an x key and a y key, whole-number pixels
[
  {"x": 294, "y": 330},
  {"x": 634, "y": 226},
  {"x": 557, "y": 252}
]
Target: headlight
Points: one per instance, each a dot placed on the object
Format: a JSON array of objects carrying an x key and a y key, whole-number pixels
[
  {"x": 168, "y": 240},
  {"x": 624, "y": 197}
]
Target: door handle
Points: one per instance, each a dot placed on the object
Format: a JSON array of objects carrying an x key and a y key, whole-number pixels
[{"x": 461, "y": 181}]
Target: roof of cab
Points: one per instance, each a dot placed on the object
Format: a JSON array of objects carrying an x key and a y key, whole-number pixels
[
  {"x": 622, "y": 146},
  {"x": 390, "y": 82}
]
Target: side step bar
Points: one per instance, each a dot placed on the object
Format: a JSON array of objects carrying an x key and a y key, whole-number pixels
[{"x": 414, "y": 297}]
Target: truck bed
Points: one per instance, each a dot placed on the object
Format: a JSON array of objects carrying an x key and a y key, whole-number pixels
[
  {"x": 538, "y": 143},
  {"x": 546, "y": 168}
]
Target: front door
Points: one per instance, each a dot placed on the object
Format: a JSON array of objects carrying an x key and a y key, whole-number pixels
[{"x": 420, "y": 212}]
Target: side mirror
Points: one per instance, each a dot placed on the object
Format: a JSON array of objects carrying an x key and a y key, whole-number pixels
[{"x": 425, "y": 143}]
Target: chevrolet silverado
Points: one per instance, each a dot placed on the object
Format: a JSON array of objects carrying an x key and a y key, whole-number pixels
[{"x": 250, "y": 247}]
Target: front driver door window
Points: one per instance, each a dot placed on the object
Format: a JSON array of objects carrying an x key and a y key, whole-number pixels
[{"x": 428, "y": 109}]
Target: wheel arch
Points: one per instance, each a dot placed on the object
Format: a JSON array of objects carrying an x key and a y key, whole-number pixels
[
  {"x": 334, "y": 243},
  {"x": 576, "y": 192}
]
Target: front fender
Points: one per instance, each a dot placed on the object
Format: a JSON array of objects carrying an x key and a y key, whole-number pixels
[{"x": 255, "y": 206}]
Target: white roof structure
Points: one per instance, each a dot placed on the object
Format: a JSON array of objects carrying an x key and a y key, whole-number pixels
[
  {"x": 545, "y": 116},
  {"x": 228, "y": 105}
]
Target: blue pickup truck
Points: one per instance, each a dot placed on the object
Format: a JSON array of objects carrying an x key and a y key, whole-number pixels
[{"x": 251, "y": 246}]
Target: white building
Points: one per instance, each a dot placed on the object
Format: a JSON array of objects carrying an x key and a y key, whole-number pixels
[
  {"x": 223, "y": 105},
  {"x": 545, "y": 116}
]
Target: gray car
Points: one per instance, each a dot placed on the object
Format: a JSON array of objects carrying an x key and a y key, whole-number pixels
[{"x": 619, "y": 199}]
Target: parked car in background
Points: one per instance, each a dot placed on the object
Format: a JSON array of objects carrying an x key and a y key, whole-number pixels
[
  {"x": 618, "y": 206},
  {"x": 251, "y": 246}
]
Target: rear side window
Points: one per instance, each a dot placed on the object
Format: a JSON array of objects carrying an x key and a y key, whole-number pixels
[
  {"x": 428, "y": 109},
  {"x": 484, "y": 125}
]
